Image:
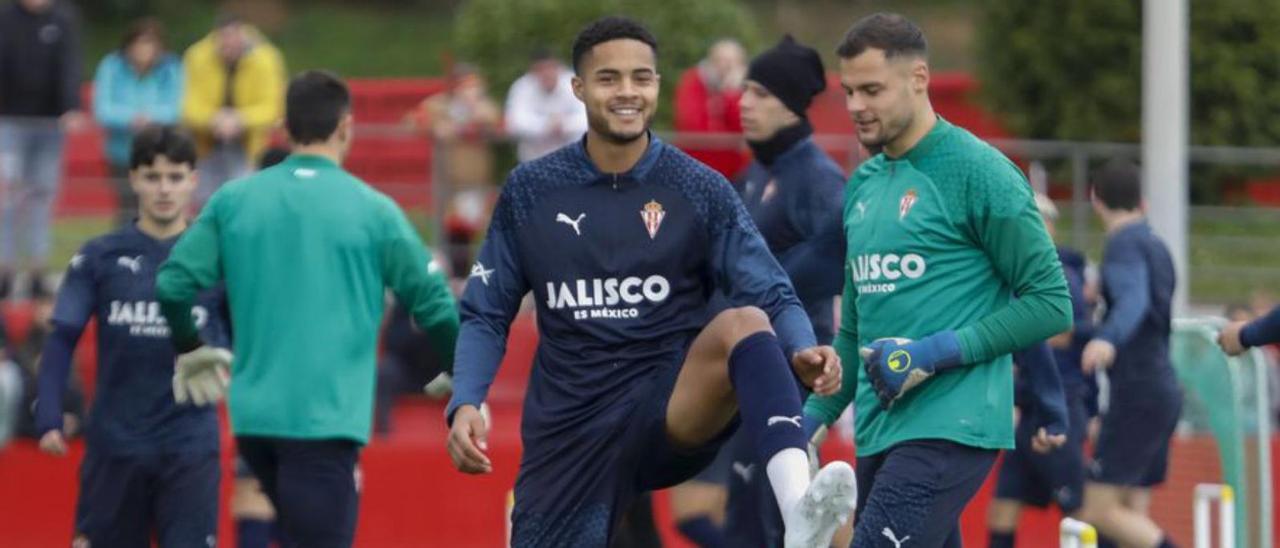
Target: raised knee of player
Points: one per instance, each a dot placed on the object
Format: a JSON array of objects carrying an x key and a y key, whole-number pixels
[
  {"x": 735, "y": 333},
  {"x": 736, "y": 324}
]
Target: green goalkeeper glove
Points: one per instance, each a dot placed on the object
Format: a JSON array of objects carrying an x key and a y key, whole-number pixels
[{"x": 202, "y": 375}]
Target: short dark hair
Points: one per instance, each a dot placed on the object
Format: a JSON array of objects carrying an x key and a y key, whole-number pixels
[
  {"x": 890, "y": 32},
  {"x": 272, "y": 156},
  {"x": 608, "y": 29},
  {"x": 168, "y": 141},
  {"x": 1118, "y": 184},
  {"x": 142, "y": 28},
  {"x": 315, "y": 103}
]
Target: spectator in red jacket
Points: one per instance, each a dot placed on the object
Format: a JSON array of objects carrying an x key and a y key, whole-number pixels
[{"x": 707, "y": 102}]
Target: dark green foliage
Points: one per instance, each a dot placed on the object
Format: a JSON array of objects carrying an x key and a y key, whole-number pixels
[
  {"x": 1072, "y": 69},
  {"x": 499, "y": 35}
]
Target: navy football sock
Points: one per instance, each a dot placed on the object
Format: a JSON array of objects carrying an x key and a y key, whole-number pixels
[
  {"x": 1000, "y": 540},
  {"x": 701, "y": 531},
  {"x": 768, "y": 402},
  {"x": 253, "y": 533}
]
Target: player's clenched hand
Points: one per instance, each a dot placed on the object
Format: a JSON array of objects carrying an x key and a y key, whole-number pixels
[
  {"x": 819, "y": 369},
  {"x": 53, "y": 443},
  {"x": 468, "y": 440},
  {"x": 1043, "y": 442},
  {"x": 1229, "y": 339},
  {"x": 1098, "y": 354}
]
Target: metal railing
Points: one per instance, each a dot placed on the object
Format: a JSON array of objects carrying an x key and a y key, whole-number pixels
[{"x": 1069, "y": 160}]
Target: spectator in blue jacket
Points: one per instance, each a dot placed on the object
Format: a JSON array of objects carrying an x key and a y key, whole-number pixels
[{"x": 138, "y": 85}]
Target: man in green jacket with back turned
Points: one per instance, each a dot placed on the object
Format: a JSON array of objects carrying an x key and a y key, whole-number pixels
[{"x": 306, "y": 250}]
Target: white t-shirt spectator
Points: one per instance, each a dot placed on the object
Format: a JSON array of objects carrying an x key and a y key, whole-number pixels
[{"x": 541, "y": 122}]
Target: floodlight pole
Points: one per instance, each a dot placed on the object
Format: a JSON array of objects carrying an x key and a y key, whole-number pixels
[{"x": 1165, "y": 87}]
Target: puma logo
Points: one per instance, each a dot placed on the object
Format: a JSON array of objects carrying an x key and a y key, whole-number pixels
[
  {"x": 134, "y": 264},
  {"x": 778, "y": 418},
  {"x": 562, "y": 218},
  {"x": 888, "y": 533}
]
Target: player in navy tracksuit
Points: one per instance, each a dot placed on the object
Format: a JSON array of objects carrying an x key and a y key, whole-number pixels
[
  {"x": 794, "y": 191},
  {"x": 1132, "y": 345},
  {"x": 1038, "y": 477},
  {"x": 151, "y": 466},
  {"x": 795, "y": 194},
  {"x": 623, "y": 239}
]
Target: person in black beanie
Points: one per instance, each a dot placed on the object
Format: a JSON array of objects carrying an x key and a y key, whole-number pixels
[
  {"x": 780, "y": 85},
  {"x": 793, "y": 190},
  {"x": 795, "y": 194}
]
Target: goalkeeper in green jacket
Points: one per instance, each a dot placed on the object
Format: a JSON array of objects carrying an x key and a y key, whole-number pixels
[
  {"x": 942, "y": 232},
  {"x": 306, "y": 250}
]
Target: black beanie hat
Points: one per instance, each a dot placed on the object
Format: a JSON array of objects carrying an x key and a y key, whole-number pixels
[{"x": 790, "y": 71}]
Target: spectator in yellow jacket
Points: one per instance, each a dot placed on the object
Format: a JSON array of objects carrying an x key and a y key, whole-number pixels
[{"x": 235, "y": 81}]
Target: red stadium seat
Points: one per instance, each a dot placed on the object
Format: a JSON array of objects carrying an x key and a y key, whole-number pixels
[{"x": 397, "y": 165}]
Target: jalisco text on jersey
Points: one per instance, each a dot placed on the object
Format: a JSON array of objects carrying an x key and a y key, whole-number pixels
[
  {"x": 144, "y": 319},
  {"x": 876, "y": 267},
  {"x": 610, "y": 292}
]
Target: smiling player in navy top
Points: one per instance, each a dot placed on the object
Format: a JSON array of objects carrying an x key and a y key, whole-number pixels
[
  {"x": 151, "y": 465},
  {"x": 623, "y": 240}
]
